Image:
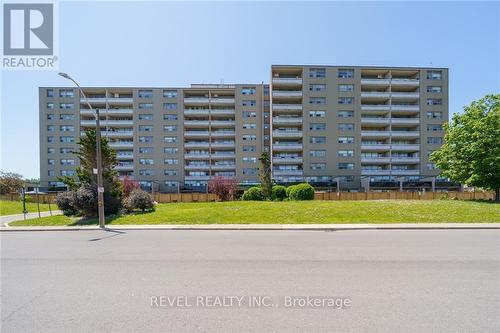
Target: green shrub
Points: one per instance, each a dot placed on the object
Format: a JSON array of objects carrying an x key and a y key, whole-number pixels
[
  {"x": 302, "y": 191},
  {"x": 288, "y": 190},
  {"x": 138, "y": 199},
  {"x": 278, "y": 193},
  {"x": 253, "y": 194}
]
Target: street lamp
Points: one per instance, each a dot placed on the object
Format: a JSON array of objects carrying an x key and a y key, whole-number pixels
[{"x": 100, "y": 187}]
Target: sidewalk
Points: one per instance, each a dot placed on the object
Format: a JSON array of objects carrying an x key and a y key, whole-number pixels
[
  {"x": 6, "y": 219},
  {"x": 308, "y": 227}
]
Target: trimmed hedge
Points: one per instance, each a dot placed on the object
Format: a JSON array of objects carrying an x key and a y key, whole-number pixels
[
  {"x": 302, "y": 191},
  {"x": 279, "y": 193},
  {"x": 253, "y": 194}
]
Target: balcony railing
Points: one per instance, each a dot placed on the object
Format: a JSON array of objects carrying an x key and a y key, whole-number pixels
[
  {"x": 287, "y": 120},
  {"x": 109, "y": 111},
  {"x": 196, "y": 133},
  {"x": 381, "y": 159},
  {"x": 287, "y": 160},
  {"x": 277, "y": 172},
  {"x": 196, "y": 156},
  {"x": 289, "y": 81},
  {"x": 285, "y": 93},
  {"x": 121, "y": 144},
  {"x": 287, "y": 107},
  {"x": 104, "y": 123},
  {"x": 288, "y": 134},
  {"x": 280, "y": 146}
]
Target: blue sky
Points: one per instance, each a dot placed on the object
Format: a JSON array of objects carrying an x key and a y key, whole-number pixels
[{"x": 175, "y": 44}]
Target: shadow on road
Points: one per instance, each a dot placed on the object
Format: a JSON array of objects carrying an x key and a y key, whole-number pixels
[{"x": 108, "y": 230}]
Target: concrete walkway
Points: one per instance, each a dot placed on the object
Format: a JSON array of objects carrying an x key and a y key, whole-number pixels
[
  {"x": 6, "y": 219},
  {"x": 310, "y": 227}
]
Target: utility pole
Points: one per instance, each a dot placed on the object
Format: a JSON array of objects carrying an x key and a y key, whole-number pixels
[{"x": 100, "y": 186}]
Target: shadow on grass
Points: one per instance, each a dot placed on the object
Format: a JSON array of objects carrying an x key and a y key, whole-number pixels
[{"x": 94, "y": 221}]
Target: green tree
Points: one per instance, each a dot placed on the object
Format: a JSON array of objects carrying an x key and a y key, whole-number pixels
[
  {"x": 85, "y": 174},
  {"x": 471, "y": 152},
  {"x": 10, "y": 182},
  {"x": 265, "y": 175}
]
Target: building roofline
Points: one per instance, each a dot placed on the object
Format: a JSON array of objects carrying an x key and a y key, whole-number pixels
[{"x": 357, "y": 66}]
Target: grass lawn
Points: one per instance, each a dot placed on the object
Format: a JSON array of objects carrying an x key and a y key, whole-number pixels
[
  {"x": 16, "y": 207},
  {"x": 296, "y": 212}
]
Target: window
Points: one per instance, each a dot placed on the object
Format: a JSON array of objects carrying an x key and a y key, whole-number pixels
[
  {"x": 145, "y": 150},
  {"x": 145, "y": 93},
  {"x": 345, "y": 100},
  {"x": 51, "y": 173},
  {"x": 51, "y": 116},
  {"x": 431, "y": 166},
  {"x": 434, "y": 115},
  {"x": 145, "y": 128},
  {"x": 317, "y": 126},
  {"x": 66, "y": 105},
  {"x": 50, "y": 150},
  {"x": 434, "y": 101},
  {"x": 434, "y": 89},
  {"x": 345, "y": 73},
  {"x": 66, "y": 93},
  {"x": 170, "y": 106},
  {"x": 346, "y": 114},
  {"x": 170, "y": 150},
  {"x": 171, "y": 183},
  {"x": 170, "y": 128},
  {"x": 145, "y": 105},
  {"x": 249, "y": 114},
  {"x": 67, "y": 139},
  {"x": 146, "y": 139},
  {"x": 66, "y": 116},
  {"x": 51, "y": 161},
  {"x": 170, "y": 139},
  {"x": 146, "y": 172},
  {"x": 249, "y": 102},
  {"x": 317, "y": 114},
  {"x": 50, "y": 92},
  {"x": 170, "y": 117},
  {"x": 67, "y": 161},
  {"x": 170, "y": 93},
  {"x": 66, "y": 128},
  {"x": 51, "y": 128},
  {"x": 65, "y": 150},
  {"x": 248, "y": 91},
  {"x": 249, "y": 126},
  {"x": 171, "y": 161},
  {"x": 145, "y": 116},
  {"x": 317, "y": 72},
  {"x": 249, "y": 137},
  {"x": 317, "y": 166},
  {"x": 346, "y": 166},
  {"x": 434, "y": 75},
  {"x": 50, "y": 139},
  {"x": 50, "y": 106},
  {"x": 434, "y": 127},
  {"x": 346, "y": 127},
  {"x": 317, "y": 153},
  {"x": 146, "y": 161},
  {"x": 317, "y": 87},
  {"x": 169, "y": 172},
  {"x": 346, "y": 139},
  {"x": 317, "y": 139},
  {"x": 429, "y": 152},
  {"x": 345, "y": 153},
  {"x": 67, "y": 173},
  {"x": 317, "y": 100},
  {"x": 249, "y": 159},
  {"x": 346, "y": 87},
  {"x": 249, "y": 171},
  {"x": 434, "y": 140},
  {"x": 249, "y": 148}
]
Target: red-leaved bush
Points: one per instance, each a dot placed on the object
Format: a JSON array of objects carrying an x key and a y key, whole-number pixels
[
  {"x": 223, "y": 187},
  {"x": 129, "y": 185}
]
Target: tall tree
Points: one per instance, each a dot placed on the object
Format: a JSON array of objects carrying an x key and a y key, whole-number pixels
[
  {"x": 10, "y": 182},
  {"x": 265, "y": 175},
  {"x": 471, "y": 152}
]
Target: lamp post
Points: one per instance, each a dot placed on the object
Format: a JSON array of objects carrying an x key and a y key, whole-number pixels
[{"x": 100, "y": 187}]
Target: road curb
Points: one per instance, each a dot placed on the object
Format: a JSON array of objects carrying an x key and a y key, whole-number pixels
[{"x": 253, "y": 227}]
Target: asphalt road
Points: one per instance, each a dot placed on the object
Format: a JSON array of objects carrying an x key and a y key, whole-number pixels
[{"x": 395, "y": 281}]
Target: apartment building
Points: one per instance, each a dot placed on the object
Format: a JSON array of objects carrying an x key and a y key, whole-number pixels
[{"x": 349, "y": 126}]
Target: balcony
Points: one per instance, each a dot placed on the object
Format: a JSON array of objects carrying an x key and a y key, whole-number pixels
[
  {"x": 108, "y": 111},
  {"x": 124, "y": 156},
  {"x": 405, "y": 172},
  {"x": 277, "y": 172},
  {"x": 287, "y": 81},
  {"x": 375, "y": 94},
  {"x": 196, "y": 123},
  {"x": 375, "y": 134},
  {"x": 122, "y": 167},
  {"x": 223, "y": 145},
  {"x": 222, "y": 134},
  {"x": 121, "y": 144},
  {"x": 405, "y": 121},
  {"x": 108, "y": 100},
  {"x": 195, "y": 112},
  {"x": 287, "y": 93},
  {"x": 221, "y": 155},
  {"x": 201, "y": 144},
  {"x": 197, "y": 156},
  {"x": 287, "y": 160},
  {"x": 222, "y": 123},
  {"x": 375, "y": 172},
  {"x": 405, "y": 82},
  {"x": 288, "y": 134},
  {"x": 375, "y": 82},
  {"x": 223, "y": 166},
  {"x": 105, "y": 123},
  {"x": 405, "y": 95},
  {"x": 196, "y": 133},
  {"x": 368, "y": 120},
  {"x": 399, "y": 159},
  {"x": 287, "y": 120},
  {"x": 405, "y": 134},
  {"x": 375, "y": 160},
  {"x": 402, "y": 107},
  {"x": 287, "y": 107},
  {"x": 222, "y": 112},
  {"x": 197, "y": 167},
  {"x": 117, "y": 134},
  {"x": 197, "y": 177},
  {"x": 405, "y": 147},
  {"x": 371, "y": 107},
  {"x": 377, "y": 147},
  {"x": 287, "y": 147},
  {"x": 196, "y": 100},
  {"x": 222, "y": 100}
]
